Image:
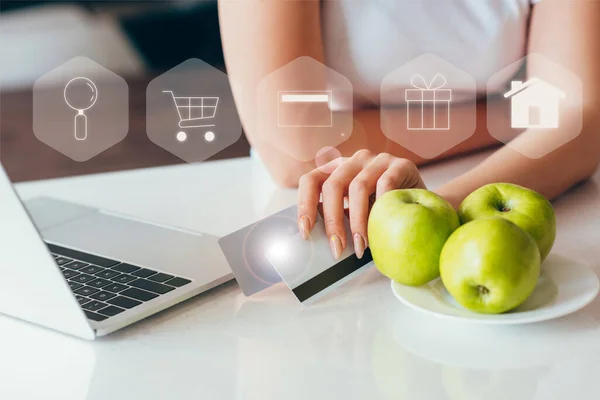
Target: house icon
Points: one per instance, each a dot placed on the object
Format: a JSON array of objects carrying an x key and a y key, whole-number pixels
[{"x": 534, "y": 104}]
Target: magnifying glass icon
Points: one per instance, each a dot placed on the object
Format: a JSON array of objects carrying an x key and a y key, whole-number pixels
[{"x": 80, "y": 94}]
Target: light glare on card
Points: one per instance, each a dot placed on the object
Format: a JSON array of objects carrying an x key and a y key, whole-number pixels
[{"x": 245, "y": 250}]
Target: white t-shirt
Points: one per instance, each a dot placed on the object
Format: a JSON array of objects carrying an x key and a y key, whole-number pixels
[{"x": 367, "y": 39}]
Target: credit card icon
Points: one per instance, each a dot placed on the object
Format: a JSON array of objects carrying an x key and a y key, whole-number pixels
[{"x": 305, "y": 109}]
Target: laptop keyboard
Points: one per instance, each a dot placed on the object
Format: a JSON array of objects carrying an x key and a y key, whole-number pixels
[{"x": 105, "y": 288}]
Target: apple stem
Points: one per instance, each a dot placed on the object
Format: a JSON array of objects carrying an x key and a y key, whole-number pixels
[
  {"x": 482, "y": 290},
  {"x": 505, "y": 209}
]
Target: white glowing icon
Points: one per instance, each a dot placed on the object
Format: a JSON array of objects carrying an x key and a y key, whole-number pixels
[
  {"x": 195, "y": 112},
  {"x": 80, "y": 94},
  {"x": 305, "y": 109},
  {"x": 428, "y": 104},
  {"x": 534, "y": 104}
]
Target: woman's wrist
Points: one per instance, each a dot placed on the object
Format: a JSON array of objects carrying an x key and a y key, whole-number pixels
[{"x": 451, "y": 195}]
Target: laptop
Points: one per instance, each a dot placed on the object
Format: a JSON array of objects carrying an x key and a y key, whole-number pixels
[{"x": 89, "y": 272}]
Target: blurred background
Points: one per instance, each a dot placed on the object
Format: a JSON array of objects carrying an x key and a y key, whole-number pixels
[{"x": 135, "y": 39}]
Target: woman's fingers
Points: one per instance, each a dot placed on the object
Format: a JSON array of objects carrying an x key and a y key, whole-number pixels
[
  {"x": 334, "y": 189},
  {"x": 401, "y": 174},
  {"x": 360, "y": 191},
  {"x": 360, "y": 178},
  {"x": 309, "y": 193}
]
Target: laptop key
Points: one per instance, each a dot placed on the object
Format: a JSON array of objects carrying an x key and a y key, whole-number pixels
[
  {"x": 111, "y": 311},
  {"x": 114, "y": 287},
  {"x": 124, "y": 302},
  {"x": 126, "y": 268},
  {"x": 99, "y": 282},
  {"x": 69, "y": 273},
  {"x": 177, "y": 282},
  {"x": 123, "y": 278},
  {"x": 144, "y": 273},
  {"x": 89, "y": 258},
  {"x": 83, "y": 278},
  {"x": 94, "y": 305},
  {"x": 138, "y": 294},
  {"x": 95, "y": 317},
  {"x": 92, "y": 269},
  {"x": 62, "y": 260},
  {"x": 86, "y": 291},
  {"x": 82, "y": 300},
  {"x": 103, "y": 296},
  {"x": 151, "y": 286},
  {"x": 160, "y": 277},
  {"x": 107, "y": 274},
  {"x": 55, "y": 255},
  {"x": 76, "y": 265},
  {"x": 74, "y": 286}
]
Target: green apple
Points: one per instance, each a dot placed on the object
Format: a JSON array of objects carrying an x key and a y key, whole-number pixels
[
  {"x": 407, "y": 229},
  {"x": 490, "y": 265},
  {"x": 531, "y": 211}
]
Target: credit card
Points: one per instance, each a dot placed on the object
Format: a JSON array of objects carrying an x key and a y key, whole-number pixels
[
  {"x": 245, "y": 250},
  {"x": 308, "y": 267}
]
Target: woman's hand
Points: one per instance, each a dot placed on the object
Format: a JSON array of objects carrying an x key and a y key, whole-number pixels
[{"x": 362, "y": 178}]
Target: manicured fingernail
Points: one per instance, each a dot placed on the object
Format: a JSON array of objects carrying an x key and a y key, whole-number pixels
[
  {"x": 336, "y": 246},
  {"x": 304, "y": 226},
  {"x": 359, "y": 245}
]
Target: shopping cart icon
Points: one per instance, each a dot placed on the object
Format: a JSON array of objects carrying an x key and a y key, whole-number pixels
[{"x": 195, "y": 112}]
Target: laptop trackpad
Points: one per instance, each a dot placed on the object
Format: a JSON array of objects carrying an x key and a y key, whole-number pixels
[{"x": 153, "y": 246}]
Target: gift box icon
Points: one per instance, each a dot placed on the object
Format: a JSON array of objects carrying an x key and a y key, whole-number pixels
[{"x": 428, "y": 104}]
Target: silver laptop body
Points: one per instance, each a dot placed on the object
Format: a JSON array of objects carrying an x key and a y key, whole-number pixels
[{"x": 35, "y": 288}]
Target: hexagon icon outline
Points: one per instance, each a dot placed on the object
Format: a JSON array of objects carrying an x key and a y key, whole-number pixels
[
  {"x": 554, "y": 95},
  {"x": 417, "y": 102},
  {"x": 190, "y": 111},
  {"x": 80, "y": 109},
  {"x": 308, "y": 101}
]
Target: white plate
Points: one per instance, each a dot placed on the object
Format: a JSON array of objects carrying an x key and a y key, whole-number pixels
[{"x": 564, "y": 287}]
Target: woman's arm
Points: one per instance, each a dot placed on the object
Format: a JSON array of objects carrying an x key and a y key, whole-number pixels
[
  {"x": 260, "y": 37},
  {"x": 567, "y": 32}
]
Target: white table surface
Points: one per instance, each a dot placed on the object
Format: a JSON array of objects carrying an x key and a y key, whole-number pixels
[{"x": 359, "y": 343}]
